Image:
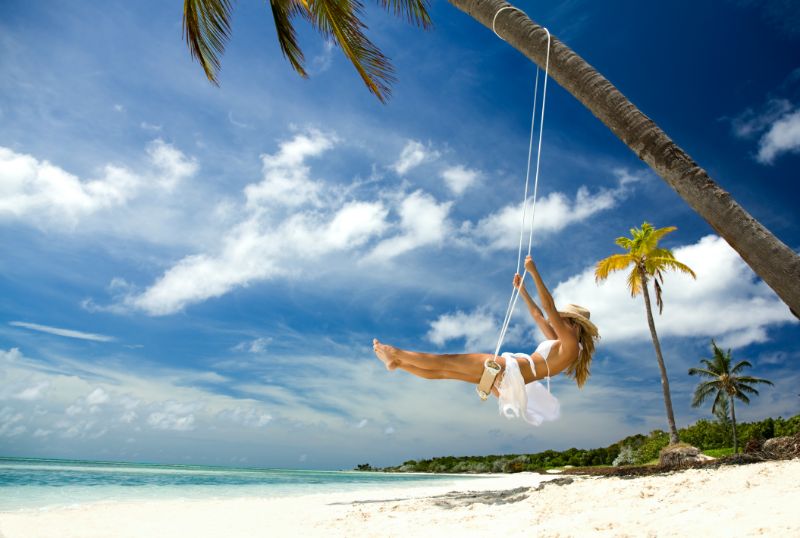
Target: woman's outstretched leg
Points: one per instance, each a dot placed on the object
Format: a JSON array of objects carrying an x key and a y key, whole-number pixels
[
  {"x": 437, "y": 374},
  {"x": 469, "y": 366}
]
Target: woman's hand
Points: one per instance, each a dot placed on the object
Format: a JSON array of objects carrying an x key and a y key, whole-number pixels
[
  {"x": 518, "y": 282},
  {"x": 529, "y": 266}
]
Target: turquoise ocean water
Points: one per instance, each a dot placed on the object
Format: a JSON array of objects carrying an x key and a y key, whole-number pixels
[{"x": 37, "y": 483}]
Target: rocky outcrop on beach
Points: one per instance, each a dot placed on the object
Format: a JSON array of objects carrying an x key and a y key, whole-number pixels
[{"x": 777, "y": 448}]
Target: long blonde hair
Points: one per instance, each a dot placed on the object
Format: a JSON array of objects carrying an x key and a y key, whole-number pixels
[{"x": 579, "y": 369}]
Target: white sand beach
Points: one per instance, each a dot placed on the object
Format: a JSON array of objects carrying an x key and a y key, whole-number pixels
[{"x": 750, "y": 500}]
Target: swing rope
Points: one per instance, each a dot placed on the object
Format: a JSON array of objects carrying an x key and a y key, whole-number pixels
[{"x": 512, "y": 302}]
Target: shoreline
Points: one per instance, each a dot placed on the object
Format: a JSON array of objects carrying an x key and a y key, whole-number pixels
[{"x": 753, "y": 499}]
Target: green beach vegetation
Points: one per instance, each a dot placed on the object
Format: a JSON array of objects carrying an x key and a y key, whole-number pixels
[{"x": 711, "y": 436}]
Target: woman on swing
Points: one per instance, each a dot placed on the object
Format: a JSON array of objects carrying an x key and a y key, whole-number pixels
[{"x": 569, "y": 348}]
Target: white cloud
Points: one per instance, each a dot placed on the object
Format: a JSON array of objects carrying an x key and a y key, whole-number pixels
[
  {"x": 752, "y": 122},
  {"x": 322, "y": 62},
  {"x": 726, "y": 301},
  {"x": 286, "y": 177},
  {"x": 413, "y": 154},
  {"x": 97, "y": 397},
  {"x": 172, "y": 166},
  {"x": 170, "y": 421},
  {"x": 149, "y": 126},
  {"x": 246, "y": 416},
  {"x": 459, "y": 179},
  {"x": 553, "y": 213},
  {"x": 479, "y": 328},
  {"x": 257, "y": 345},
  {"x": 9, "y": 423},
  {"x": 423, "y": 222},
  {"x": 35, "y": 392},
  {"x": 43, "y": 194},
  {"x": 254, "y": 251},
  {"x": 33, "y": 188},
  {"x": 68, "y": 333},
  {"x": 782, "y": 137}
]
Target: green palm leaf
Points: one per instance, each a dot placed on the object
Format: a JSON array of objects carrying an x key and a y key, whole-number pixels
[
  {"x": 703, "y": 391},
  {"x": 740, "y": 365},
  {"x": 282, "y": 13},
  {"x": 416, "y": 11},
  {"x": 754, "y": 380},
  {"x": 340, "y": 20},
  {"x": 206, "y": 28}
]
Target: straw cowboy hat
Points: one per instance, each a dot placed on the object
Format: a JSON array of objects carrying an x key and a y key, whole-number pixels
[{"x": 581, "y": 315}]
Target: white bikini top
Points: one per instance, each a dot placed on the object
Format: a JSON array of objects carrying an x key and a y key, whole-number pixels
[{"x": 544, "y": 350}]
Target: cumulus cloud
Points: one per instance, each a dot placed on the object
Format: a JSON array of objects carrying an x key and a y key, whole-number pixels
[
  {"x": 283, "y": 222},
  {"x": 726, "y": 302},
  {"x": 554, "y": 212},
  {"x": 255, "y": 250},
  {"x": 458, "y": 178},
  {"x": 176, "y": 416},
  {"x": 479, "y": 329},
  {"x": 43, "y": 194},
  {"x": 68, "y": 333},
  {"x": 35, "y": 392},
  {"x": 286, "y": 178},
  {"x": 776, "y": 123},
  {"x": 423, "y": 222},
  {"x": 783, "y": 136},
  {"x": 414, "y": 153}
]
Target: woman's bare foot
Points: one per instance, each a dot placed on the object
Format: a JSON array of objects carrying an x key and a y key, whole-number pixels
[{"x": 387, "y": 354}]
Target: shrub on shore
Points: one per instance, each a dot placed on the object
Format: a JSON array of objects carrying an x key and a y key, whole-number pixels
[{"x": 633, "y": 450}]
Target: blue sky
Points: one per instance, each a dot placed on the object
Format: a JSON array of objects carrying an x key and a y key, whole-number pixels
[{"x": 194, "y": 274}]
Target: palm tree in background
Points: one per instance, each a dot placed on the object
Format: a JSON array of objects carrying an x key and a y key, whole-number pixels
[
  {"x": 725, "y": 384},
  {"x": 647, "y": 261},
  {"x": 207, "y": 27}
]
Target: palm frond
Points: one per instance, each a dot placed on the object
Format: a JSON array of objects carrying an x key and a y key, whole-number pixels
[
  {"x": 415, "y": 11},
  {"x": 746, "y": 389},
  {"x": 634, "y": 281},
  {"x": 661, "y": 232},
  {"x": 663, "y": 263},
  {"x": 340, "y": 20},
  {"x": 659, "y": 301},
  {"x": 740, "y": 365},
  {"x": 615, "y": 262},
  {"x": 702, "y": 372},
  {"x": 624, "y": 242},
  {"x": 721, "y": 396},
  {"x": 741, "y": 397},
  {"x": 282, "y": 13},
  {"x": 702, "y": 392},
  {"x": 754, "y": 380},
  {"x": 206, "y": 28}
]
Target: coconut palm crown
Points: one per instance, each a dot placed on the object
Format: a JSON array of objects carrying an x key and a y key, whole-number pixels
[
  {"x": 207, "y": 27},
  {"x": 724, "y": 383},
  {"x": 647, "y": 259}
]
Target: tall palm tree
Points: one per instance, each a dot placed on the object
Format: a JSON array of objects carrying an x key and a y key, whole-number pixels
[
  {"x": 724, "y": 383},
  {"x": 647, "y": 260},
  {"x": 207, "y": 27}
]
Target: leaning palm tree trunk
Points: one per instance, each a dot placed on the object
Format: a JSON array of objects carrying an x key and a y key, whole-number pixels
[
  {"x": 673, "y": 431},
  {"x": 772, "y": 260},
  {"x": 733, "y": 422}
]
